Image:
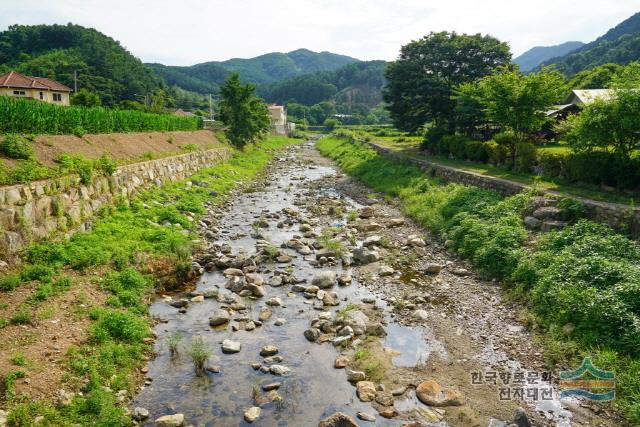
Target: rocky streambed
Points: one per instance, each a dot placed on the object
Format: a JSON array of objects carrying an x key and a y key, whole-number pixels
[{"x": 320, "y": 304}]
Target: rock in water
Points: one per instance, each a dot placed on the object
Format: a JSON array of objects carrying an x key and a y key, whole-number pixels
[
  {"x": 433, "y": 394},
  {"x": 268, "y": 350},
  {"x": 366, "y": 391},
  {"x": 139, "y": 414},
  {"x": 252, "y": 414},
  {"x": 324, "y": 280},
  {"x": 220, "y": 317},
  {"x": 229, "y": 346},
  {"x": 176, "y": 420},
  {"x": 366, "y": 417},
  {"x": 338, "y": 419}
]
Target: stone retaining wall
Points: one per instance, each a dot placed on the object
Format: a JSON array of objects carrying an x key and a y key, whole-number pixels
[
  {"x": 64, "y": 205},
  {"x": 615, "y": 215}
]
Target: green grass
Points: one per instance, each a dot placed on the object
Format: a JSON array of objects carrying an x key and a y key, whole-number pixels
[
  {"x": 586, "y": 275},
  {"x": 124, "y": 237},
  {"x": 410, "y": 147}
]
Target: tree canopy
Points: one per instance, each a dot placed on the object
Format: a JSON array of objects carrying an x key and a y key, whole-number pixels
[
  {"x": 245, "y": 114},
  {"x": 421, "y": 82}
]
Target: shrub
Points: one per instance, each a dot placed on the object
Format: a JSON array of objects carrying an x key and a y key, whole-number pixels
[
  {"x": 497, "y": 154},
  {"x": 526, "y": 156},
  {"x": 16, "y": 147},
  {"x": 571, "y": 210},
  {"x": 78, "y": 131},
  {"x": 507, "y": 140},
  {"x": 454, "y": 145},
  {"x": 599, "y": 167},
  {"x": 476, "y": 151},
  {"x": 553, "y": 164},
  {"x": 432, "y": 138},
  {"x": 9, "y": 283}
]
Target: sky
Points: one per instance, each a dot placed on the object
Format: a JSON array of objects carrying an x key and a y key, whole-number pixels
[{"x": 186, "y": 32}]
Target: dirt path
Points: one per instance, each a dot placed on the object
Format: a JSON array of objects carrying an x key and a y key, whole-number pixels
[{"x": 311, "y": 281}]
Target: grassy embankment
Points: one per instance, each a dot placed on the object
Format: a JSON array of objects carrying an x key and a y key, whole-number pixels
[
  {"x": 580, "y": 286},
  {"x": 410, "y": 146},
  {"x": 119, "y": 259}
]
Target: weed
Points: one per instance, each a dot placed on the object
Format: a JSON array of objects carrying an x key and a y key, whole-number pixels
[
  {"x": 19, "y": 359},
  {"x": 22, "y": 317},
  {"x": 199, "y": 353},
  {"x": 173, "y": 342}
]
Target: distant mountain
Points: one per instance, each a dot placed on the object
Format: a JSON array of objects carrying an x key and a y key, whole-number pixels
[
  {"x": 264, "y": 69},
  {"x": 537, "y": 55},
  {"x": 620, "y": 45},
  {"x": 56, "y": 51}
]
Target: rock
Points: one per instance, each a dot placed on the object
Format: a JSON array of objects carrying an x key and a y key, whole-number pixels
[
  {"x": 547, "y": 212},
  {"x": 271, "y": 360},
  {"x": 279, "y": 370},
  {"x": 344, "y": 280},
  {"x": 256, "y": 290},
  {"x": 365, "y": 256},
  {"x": 375, "y": 329},
  {"x": 252, "y": 414},
  {"x": 312, "y": 334},
  {"x": 346, "y": 331},
  {"x": 3, "y": 418},
  {"x": 366, "y": 417},
  {"x": 461, "y": 272},
  {"x": 366, "y": 212},
  {"x": 275, "y": 302},
  {"x": 139, "y": 414},
  {"x": 229, "y": 346},
  {"x": 197, "y": 298},
  {"x": 493, "y": 422},
  {"x": 275, "y": 282},
  {"x": 418, "y": 241},
  {"x": 338, "y": 341},
  {"x": 280, "y": 321},
  {"x": 398, "y": 391},
  {"x": 366, "y": 391},
  {"x": 233, "y": 272},
  {"x": 268, "y": 350},
  {"x": 249, "y": 326},
  {"x": 433, "y": 394},
  {"x": 271, "y": 386},
  {"x": 521, "y": 419},
  {"x": 220, "y": 317},
  {"x": 330, "y": 299},
  {"x": 341, "y": 362},
  {"x": 175, "y": 420},
  {"x": 396, "y": 222},
  {"x": 369, "y": 227},
  {"x": 254, "y": 278},
  {"x": 385, "y": 270},
  {"x": 384, "y": 398},
  {"x": 532, "y": 223},
  {"x": 433, "y": 268},
  {"x": 387, "y": 412},
  {"x": 420, "y": 315},
  {"x": 324, "y": 280},
  {"x": 181, "y": 303},
  {"x": 214, "y": 369},
  {"x": 357, "y": 320},
  {"x": 550, "y": 225},
  {"x": 338, "y": 419},
  {"x": 355, "y": 376},
  {"x": 265, "y": 314},
  {"x": 372, "y": 241},
  {"x": 284, "y": 259}
]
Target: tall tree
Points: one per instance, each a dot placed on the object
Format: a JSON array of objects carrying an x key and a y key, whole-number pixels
[
  {"x": 421, "y": 82},
  {"x": 245, "y": 114}
]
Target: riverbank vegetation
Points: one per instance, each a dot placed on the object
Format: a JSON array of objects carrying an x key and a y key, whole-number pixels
[
  {"x": 580, "y": 285},
  {"x": 130, "y": 246}
]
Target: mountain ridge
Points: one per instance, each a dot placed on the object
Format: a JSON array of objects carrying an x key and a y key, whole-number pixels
[{"x": 535, "y": 56}]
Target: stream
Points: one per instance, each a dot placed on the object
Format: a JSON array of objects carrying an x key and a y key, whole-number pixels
[{"x": 311, "y": 389}]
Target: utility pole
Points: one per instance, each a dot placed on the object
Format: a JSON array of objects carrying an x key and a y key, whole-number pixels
[
  {"x": 210, "y": 107},
  {"x": 75, "y": 81}
]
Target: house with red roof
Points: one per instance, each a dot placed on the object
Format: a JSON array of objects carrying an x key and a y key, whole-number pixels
[{"x": 38, "y": 88}]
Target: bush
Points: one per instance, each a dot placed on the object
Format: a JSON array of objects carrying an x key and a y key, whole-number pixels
[
  {"x": 454, "y": 145},
  {"x": 599, "y": 167},
  {"x": 16, "y": 147},
  {"x": 432, "y": 138},
  {"x": 553, "y": 164},
  {"x": 507, "y": 140},
  {"x": 476, "y": 151},
  {"x": 526, "y": 156},
  {"x": 497, "y": 154},
  {"x": 571, "y": 210},
  {"x": 118, "y": 326}
]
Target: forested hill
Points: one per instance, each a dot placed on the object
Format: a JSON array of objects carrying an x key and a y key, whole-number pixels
[
  {"x": 539, "y": 54},
  {"x": 358, "y": 83},
  {"x": 56, "y": 51},
  {"x": 264, "y": 69},
  {"x": 620, "y": 45}
]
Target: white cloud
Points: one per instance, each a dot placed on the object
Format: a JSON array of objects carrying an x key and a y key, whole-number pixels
[{"x": 191, "y": 31}]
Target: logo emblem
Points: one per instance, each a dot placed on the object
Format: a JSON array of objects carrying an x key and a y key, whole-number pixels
[{"x": 589, "y": 382}]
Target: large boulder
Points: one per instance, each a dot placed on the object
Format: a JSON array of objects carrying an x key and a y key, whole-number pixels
[
  {"x": 229, "y": 346},
  {"x": 366, "y": 391},
  {"x": 338, "y": 419},
  {"x": 175, "y": 420},
  {"x": 365, "y": 256},
  {"x": 357, "y": 320},
  {"x": 433, "y": 394}
]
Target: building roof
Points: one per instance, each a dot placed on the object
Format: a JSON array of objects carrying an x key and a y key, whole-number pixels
[
  {"x": 14, "y": 79},
  {"x": 587, "y": 96}
]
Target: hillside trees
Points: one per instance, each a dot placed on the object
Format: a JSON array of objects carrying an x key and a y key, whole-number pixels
[
  {"x": 421, "y": 82},
  {"x": 245, "y": 114}
]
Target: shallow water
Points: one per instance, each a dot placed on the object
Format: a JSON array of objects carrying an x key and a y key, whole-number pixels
[{"x": 314, "y": 389}]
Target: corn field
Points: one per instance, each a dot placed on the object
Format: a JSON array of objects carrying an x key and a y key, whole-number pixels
[{"x": 34, "y": 117}]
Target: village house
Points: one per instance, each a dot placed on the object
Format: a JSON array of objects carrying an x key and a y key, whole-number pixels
[
  {"x": 278, "y": 116},
  {"x": 577, "y": 99},
  {"x": 38, "y": 88}
]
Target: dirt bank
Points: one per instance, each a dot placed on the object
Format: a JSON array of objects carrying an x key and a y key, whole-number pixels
[{"x": 119, "y": 146}]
